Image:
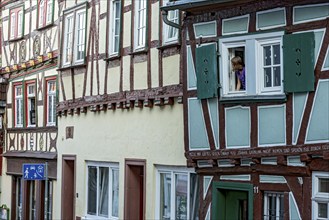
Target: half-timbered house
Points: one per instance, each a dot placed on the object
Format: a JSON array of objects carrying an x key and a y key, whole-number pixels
[
  {"x": 120, "y": 114},
  {"x": 29, "y": 39},
  {"x": 261, "y": 150}
]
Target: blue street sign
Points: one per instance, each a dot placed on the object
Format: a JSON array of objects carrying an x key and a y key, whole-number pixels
[{"x": 33, "y": 171}]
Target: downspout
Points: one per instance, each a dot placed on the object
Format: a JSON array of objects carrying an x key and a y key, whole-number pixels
[{"x": 170, "y": 23}]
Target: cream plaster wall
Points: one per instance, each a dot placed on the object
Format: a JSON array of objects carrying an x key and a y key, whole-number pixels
[
  {"x": 6, "y": 190},
  {"x": 127, "y": 29},
  {"x": 155, "y": 21},
  {"x": 154, "y": 67},
  {"x": 113, "y": 79},
  {"x": 140, "y": 75},
  {"x": 126, "y": 72},
  {"x": 67, "y": 84},
  {"x": 154, "y": 134},
  {"x": 171, "y": 70},
  {"x": 78, "y": 82}
]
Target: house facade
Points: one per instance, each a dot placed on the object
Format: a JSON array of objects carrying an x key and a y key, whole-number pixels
[
  {"x": 29, "y": 48},
  {"x": 257, "y": 135},
  {"x": 120, "y": 114}
]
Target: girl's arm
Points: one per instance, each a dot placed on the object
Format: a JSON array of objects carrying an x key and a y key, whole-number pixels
[{"x": 238, "y": 85}]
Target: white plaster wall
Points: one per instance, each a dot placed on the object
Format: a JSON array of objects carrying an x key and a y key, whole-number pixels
[{"x": 155, "y": 135}]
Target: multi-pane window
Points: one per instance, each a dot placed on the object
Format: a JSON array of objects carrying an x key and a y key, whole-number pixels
[
  {"x": 74, "y": 37},
  {"x": 18, "y": 105},
  {"x": 114, "y": 28},
  {"x": 177, "y": 195},
  {"x": 31, "y": 104},
  {"x": 140, "y": 24},
  {"x": 45, "y": 12},
  {"x": 51, "y": 102},
  {"x": 251, "y": 64},
  {"x": 170, "y": 34},
  {"x": 16, "y": 23},
  {"x": 273, "y": 206},
  {"x": 103, "y": 191},
  {"x": 320, "y": 195}
]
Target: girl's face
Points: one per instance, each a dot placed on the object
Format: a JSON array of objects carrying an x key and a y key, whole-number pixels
[{"x": 234, "y": 67}]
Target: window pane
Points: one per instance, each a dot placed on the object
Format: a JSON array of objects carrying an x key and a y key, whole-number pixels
[
  {"x": 322, "y": 210},
  {"x": 181, "y": 196},
  {"x": 276, "y": 54},
  {"x": 165, "y": 196},
  {"x": 267, "y": 77},
  {"x": 277, "y": 76},
  {"x": 194, "y": 196},
  {"x": 103, "y": 194},
  {"x": 267, "y": 55},
  {"x": 92, "y": 190},
  {"x": 323, "y": 185},
  {"x": 115, "y": 193}
]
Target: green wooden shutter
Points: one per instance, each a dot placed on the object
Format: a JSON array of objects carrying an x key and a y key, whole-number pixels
[
  {"x": 207, "y": 71},
  {"x": 298, "y": 62}
]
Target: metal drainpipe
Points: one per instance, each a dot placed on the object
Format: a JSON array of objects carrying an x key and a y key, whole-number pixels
[{"x": 170, "y": 23}]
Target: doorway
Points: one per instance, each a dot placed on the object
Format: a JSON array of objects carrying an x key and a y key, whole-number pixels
[
  {"x": 232, "y": 201},
  {"x": 68, "y": 187},
  {"x": 134, "y": 189}
]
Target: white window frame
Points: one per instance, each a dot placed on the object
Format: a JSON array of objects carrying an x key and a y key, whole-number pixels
[
  {"x": 19, "y": 107},
  {"x": 51, "y": 103},
  {"x": 319, "y": 197},
  {"x": 16, "y": 23},
  {"x": 277, "y": 206},
  {"x": 173, "y": 16},
  {"x": 140, "y": 12},
  {"x": 111, "y": 166},
  {"x": 71, "y": 39},
  {"x": 30, "y": 97},
  {"x": 172, "y": 171},
  {"x": 45, "y": 12},
  {"x": 253, "y": 46},
  {"x": 113, "y": 49}
]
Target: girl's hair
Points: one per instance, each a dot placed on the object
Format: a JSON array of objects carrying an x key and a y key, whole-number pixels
[{"x": 237, "y": 63}]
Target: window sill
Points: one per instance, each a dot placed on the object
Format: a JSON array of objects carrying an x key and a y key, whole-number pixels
[
  {"x": 16, "y": 39},
  {"x": 140, "y": 51},
  {"x": 45, "y": 26},
  {"x": 254, "y": 99},
  {"x": 111, "y": 58},
  {"x": 169, "y": 45},
  {"x": 71, "y": 67}
]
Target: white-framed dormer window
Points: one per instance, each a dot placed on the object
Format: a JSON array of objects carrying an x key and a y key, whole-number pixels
[
  {"x": 114, "y": 27},
  {"x": 16, "y": 23},
  {"x": 261, "y": 56},
  {"x": 74, "y": 37},
  {"x": 51, "y": 102},
  {"x": 170, "y": 34},
  {"x": 102, "y": 191},
  {"x": 31, "y": 104},
  {"x": 18, "y": 89},
  {"x": 177, "y": 193},
  {"x": 45, "y": 12},
  {"x": 320, "y": 195},
  {"x": 140, "y": 24}
]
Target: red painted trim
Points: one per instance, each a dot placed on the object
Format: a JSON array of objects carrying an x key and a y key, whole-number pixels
[{"x": 25, "y": 97}]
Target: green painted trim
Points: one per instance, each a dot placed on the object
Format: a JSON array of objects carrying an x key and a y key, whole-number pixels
[{"x": 217, "y": 186}]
